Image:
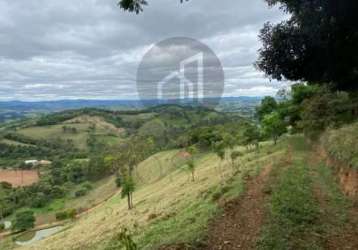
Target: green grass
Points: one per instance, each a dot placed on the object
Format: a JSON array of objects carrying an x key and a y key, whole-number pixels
[
  {"x": 7, "y": 243},
  {"x": 293, "y": 213},
  {"x": 14, "y": 143},
  {"x": 188, "y": 224},
  {"x": 104, "y": 133},
  {"x": 25, "y": 236},
  {"x": 102, "y": 190},
  {"x": 168, "y": 206},
  {"x": 55, "y": 205},
  {"x": 306, "y": 204},
  {"x": 335, "y": 214},
  {"x": 55, "y": 131},
  {"x": 108, "y": 139}
]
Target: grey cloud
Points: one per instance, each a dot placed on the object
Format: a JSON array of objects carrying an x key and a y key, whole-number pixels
[{"x": 53, "y": 49}]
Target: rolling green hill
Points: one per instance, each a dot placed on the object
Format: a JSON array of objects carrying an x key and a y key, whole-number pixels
[
  {"x": 269, "y": 196},
  {"x": 166, "y": 201}
]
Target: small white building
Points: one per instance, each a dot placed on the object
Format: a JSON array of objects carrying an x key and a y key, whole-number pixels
[
  {"x": 32, "y": 162},
  {"x": 44, "y": 163}
]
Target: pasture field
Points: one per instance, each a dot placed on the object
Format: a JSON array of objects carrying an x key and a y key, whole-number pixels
[
  {"x": 84, "y": 125},
  {"x": 56, "y": 132}
]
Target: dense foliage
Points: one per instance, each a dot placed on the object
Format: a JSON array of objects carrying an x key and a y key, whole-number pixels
[
  {"x": 307, "y": 108},
  {"x": 24, "y": 220},
  {"x": 317, "y": 44}
]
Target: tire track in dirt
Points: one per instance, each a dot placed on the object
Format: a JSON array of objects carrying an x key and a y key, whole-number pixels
[
  {"x": 347, "y": 237},
  {"x": 240, "y": 224}
]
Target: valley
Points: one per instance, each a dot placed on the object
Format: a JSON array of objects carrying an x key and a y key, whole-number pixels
[{"x": 200, "y": 208}]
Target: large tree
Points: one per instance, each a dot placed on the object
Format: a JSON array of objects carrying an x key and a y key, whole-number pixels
[
  {"x": 268, "y": 105},
  {"x": 318, "y": 43},
  {"x": 273, "y": 126}
]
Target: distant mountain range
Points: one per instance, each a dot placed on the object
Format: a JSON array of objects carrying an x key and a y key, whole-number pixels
[
  {"x": 18, "y": 109},
  {"x": 65, "y": 104}
]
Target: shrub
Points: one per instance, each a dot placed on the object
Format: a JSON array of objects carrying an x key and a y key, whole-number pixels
[
  {"x": 5, "y": 185},
  {"x": 39, "y": 200},
  {"x": 68, "y": 214},
  {"x": 87, "y": 185},
  {"x": 57, "y": 192},
  {"x": 61, "y": 215},
  {"x": 119, "y": 181},
  {"x": 24, "y": 221},
  {"x": 81, "y": 192},
  {"x": 122, "y": 240},
  {"x": 72, "y": 213}
]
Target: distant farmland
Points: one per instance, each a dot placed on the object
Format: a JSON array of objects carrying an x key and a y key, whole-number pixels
[{"x": 19, "y": 178}]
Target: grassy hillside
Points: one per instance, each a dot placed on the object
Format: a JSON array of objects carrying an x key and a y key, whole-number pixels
[
  {"x": 87, "y": 147},
  {"x": 166, "y": 200},
  {"x": 83, "y": 125},
  {"x": 304, "y": 206},
  {"x": 286, "y": 205},
  {"x": 110, "y": 127}
]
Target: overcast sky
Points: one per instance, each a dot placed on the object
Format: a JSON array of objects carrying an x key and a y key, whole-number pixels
[{"x": 90, "y": 49}]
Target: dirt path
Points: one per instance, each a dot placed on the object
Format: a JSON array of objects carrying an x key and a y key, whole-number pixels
[
  {"x": 348, "y": 239},
  {"x": 240, "y": 224},
  {"x": 343, "y": 238}
]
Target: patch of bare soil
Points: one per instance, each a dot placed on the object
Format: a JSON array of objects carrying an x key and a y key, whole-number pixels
[
  {"x": 19, "y": 178},
  {"x": 348, "y": 179},
  {"x": 240, "y": 225}
]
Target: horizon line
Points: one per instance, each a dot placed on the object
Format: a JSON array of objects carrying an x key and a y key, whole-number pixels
[{"x": 118, "y": 99}]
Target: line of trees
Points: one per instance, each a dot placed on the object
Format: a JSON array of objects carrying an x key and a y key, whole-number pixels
[{"x": 307, "y": 108}]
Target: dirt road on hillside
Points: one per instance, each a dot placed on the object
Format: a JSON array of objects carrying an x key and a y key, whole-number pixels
[{"x": 240, "y": 224}]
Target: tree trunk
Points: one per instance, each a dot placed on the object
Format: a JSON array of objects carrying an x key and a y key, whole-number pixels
[
  {"x": 129, "y": 201},
  {"x": 257, "y": 145}
]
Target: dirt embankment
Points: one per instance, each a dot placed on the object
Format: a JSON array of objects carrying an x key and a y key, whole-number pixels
[
  {"x": 347, "y": 176},
  {"x": 347, "y": 236}
]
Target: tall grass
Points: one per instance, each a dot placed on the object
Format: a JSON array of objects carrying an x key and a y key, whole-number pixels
[{"x": 342, "y": 144}]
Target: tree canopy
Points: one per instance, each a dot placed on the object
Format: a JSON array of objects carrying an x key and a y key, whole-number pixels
[
  {"x": 135, "y": 5},
  {"x": 317, "y": 44},
  {"x": 268, "y": 105},
  {"x": 24, "y": 220}
]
